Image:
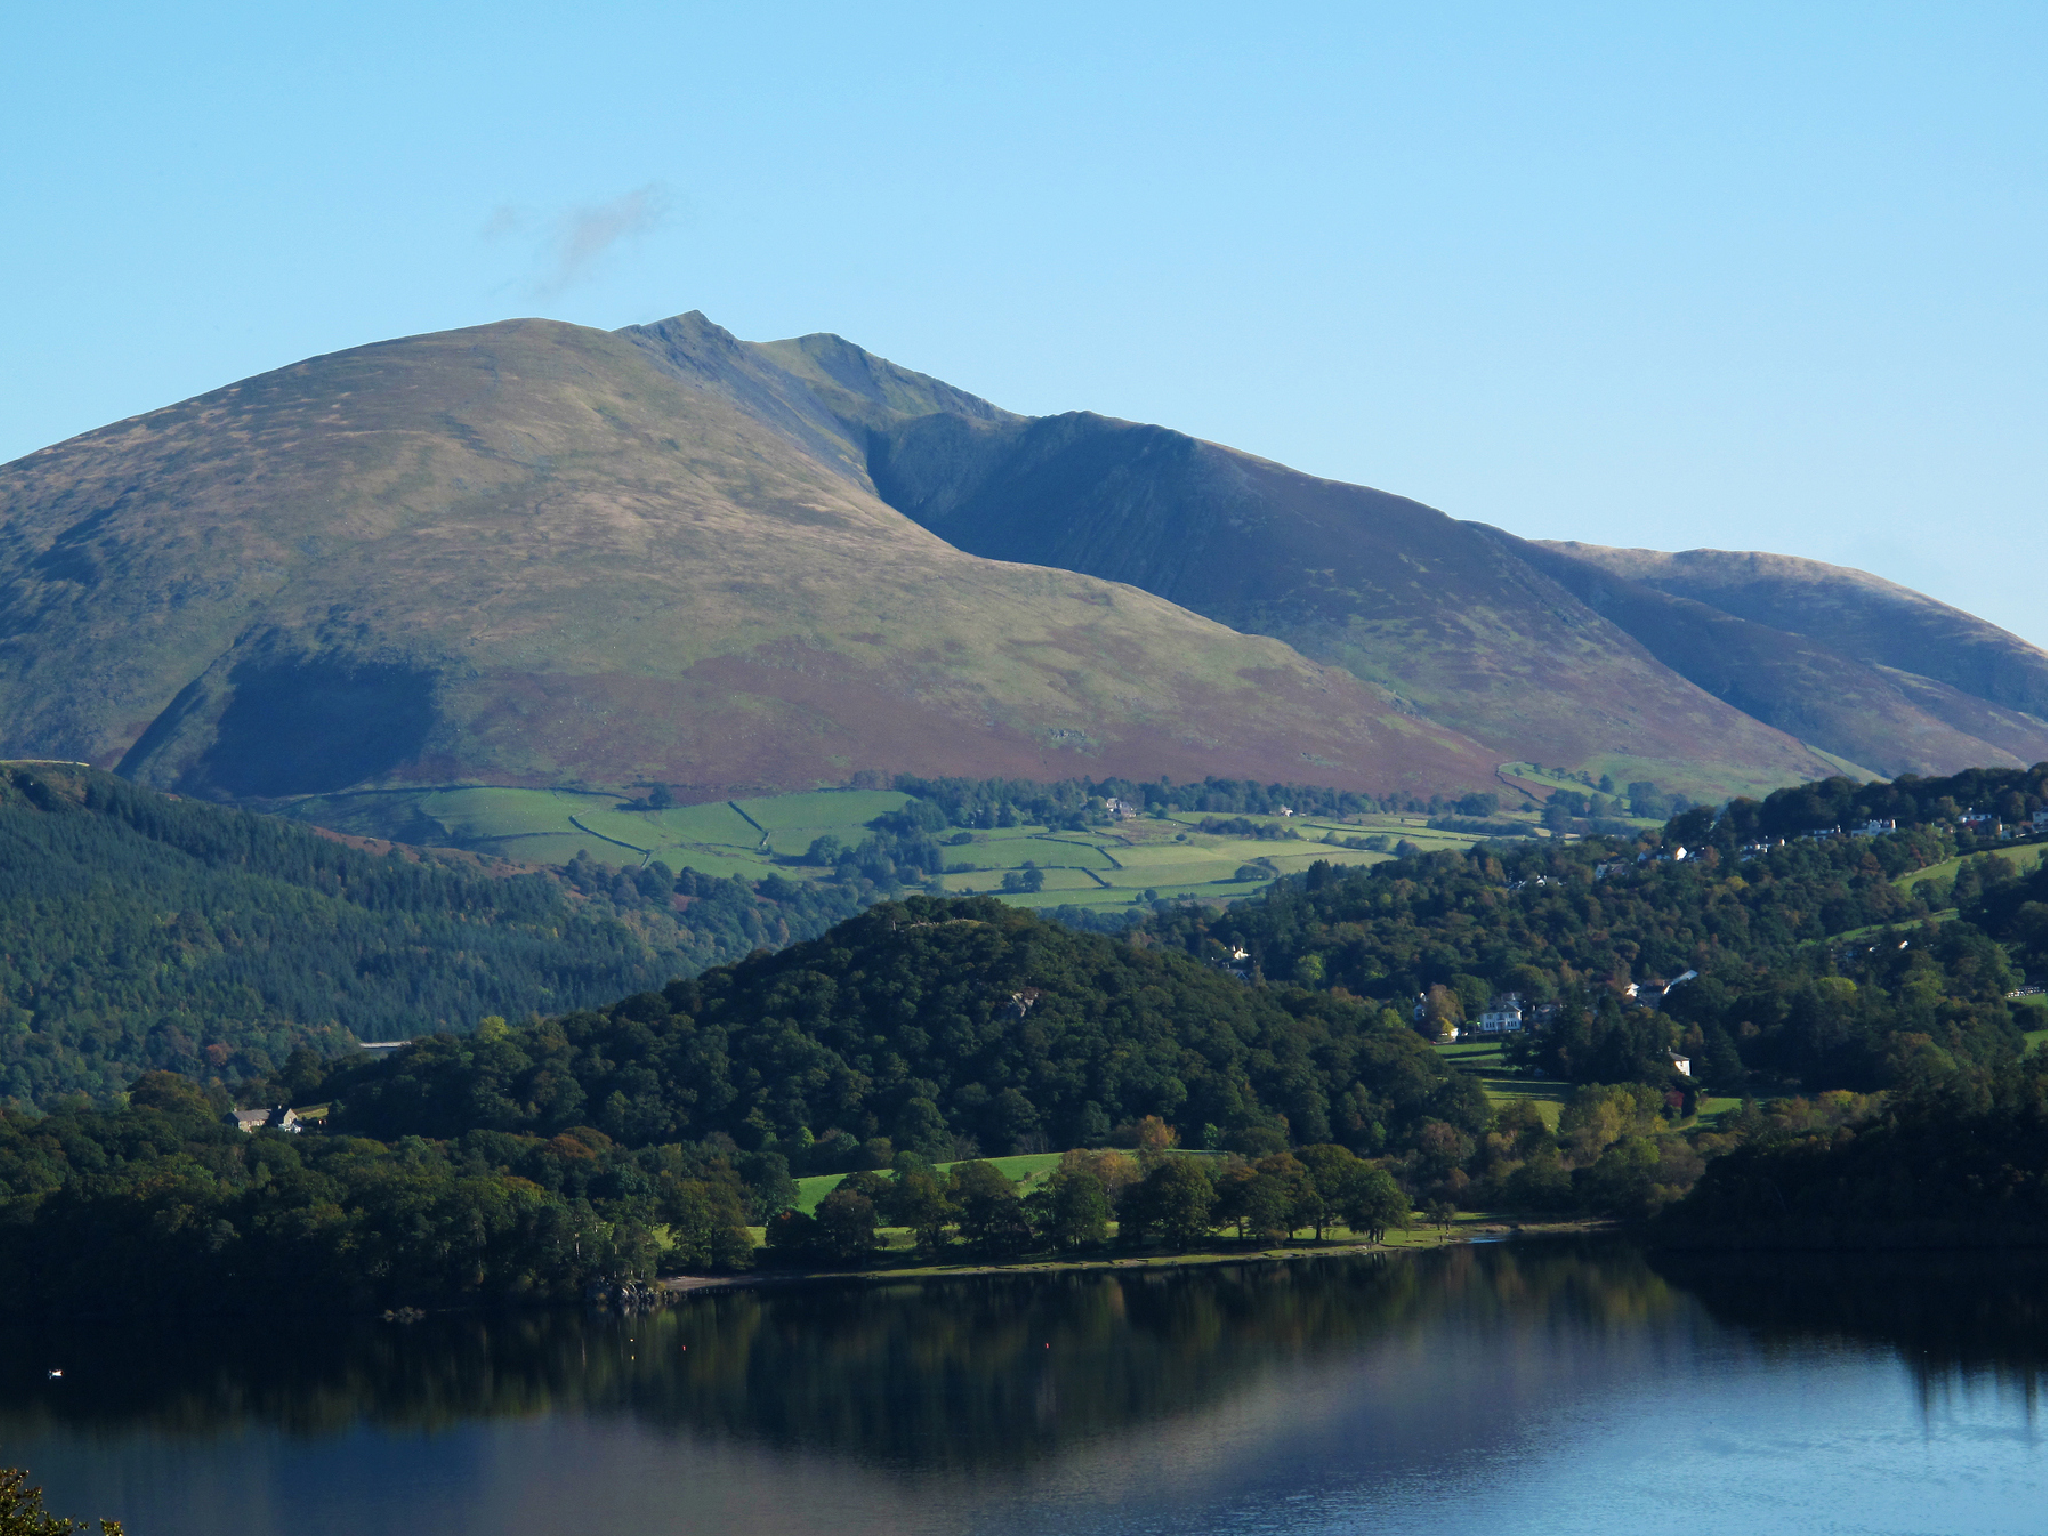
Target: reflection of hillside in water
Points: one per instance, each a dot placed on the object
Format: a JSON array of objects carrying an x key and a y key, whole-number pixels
[
  {"x": 1950, "y": 1316},
  {"x": 954, "y": 1373}
]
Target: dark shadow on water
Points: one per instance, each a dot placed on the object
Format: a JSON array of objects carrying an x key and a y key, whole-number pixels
[
  {"x": 1951, "y": 1317},
  {"x": 987, "y": 1370},
  {"x": 999, "y": 1370}
]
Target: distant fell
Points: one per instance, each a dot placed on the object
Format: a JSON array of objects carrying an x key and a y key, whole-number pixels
[
  {"x": 1453, "y": 623},
  {"x": 1860, "y": 666},
  {"x": 532, "y": 554}
]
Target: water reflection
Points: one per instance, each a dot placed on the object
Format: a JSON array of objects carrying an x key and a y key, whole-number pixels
[
  {"x": 988, "y": 1370},
  {"x": 1312, "y": 1396}
]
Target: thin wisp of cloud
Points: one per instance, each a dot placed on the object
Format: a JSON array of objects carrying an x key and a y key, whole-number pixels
[{"x": 576, "y": 241}]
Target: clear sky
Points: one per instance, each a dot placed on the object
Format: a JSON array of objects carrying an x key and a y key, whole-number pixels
[{"x": 1740, "y": 276}]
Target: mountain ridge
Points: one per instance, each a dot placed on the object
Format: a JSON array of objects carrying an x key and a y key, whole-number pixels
[
  {"x": 536, "y": 553},
  {"x": 1824, "y": 669}
]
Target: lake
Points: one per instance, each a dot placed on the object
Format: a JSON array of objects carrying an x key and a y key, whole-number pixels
[{"x": 1576, "y": 1386}]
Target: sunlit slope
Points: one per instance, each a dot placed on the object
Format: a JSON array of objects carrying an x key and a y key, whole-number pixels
[
  {"x": 1842, "y": 700},
  {"x": 532, "y": 553},
  {"x": 1448, "y": 619}
]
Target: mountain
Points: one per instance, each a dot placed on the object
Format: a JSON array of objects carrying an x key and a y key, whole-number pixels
[
  {"x": 534, "y": 554},
  {"x": 1859, "y": 666},
  {"x": 1692, "y": 669},
  {"x": 1443, "y": 614}
]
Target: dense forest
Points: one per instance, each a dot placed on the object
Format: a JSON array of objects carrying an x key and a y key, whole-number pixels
[
  {"x": 947, "y": 1027},
  {"x": 1816, "y": 963},
  {"x": 1957, "y": 1157},
  {"x": 141, "y": 931},
  {"x": 163, "y": 1204}
]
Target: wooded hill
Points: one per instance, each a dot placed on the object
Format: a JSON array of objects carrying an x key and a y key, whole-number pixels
[
  {"x": 1782, "y": 1002},
  {"x": 142, "y": 931},
  {"x": 945, "y": 1026}
]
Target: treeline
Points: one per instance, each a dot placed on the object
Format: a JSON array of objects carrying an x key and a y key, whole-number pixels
[
  {"x": 1155, "y": 1197},
  {"x": 2010, "y": 795},
  {"x": 945, "y": 1027},
  {"x": 165, "y": 1205},
  {"x": 1958, "y": 1156},
  {"x": 141, "y": 931},
  {"x": 1076, "y": 803}
]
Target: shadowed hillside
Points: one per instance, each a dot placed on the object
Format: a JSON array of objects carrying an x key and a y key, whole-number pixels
[
  {"x": 1874, "y": 715},
  {"x": 1458, "y": 626},
  {"x": 532, "y": 553},
  {"x": 1848, "y": 703},
  {"x": 1860, "y": 616}
]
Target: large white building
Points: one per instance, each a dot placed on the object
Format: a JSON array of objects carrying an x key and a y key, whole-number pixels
[{"x": 1503, "y": 1016}]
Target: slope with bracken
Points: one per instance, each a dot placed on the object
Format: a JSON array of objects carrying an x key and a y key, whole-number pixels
[
  {"x": 532, "y": 553},
  {"x": 1456, "y": 624}
]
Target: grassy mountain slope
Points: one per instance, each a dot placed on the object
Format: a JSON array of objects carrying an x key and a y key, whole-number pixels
[
  {"x": 532, "y": 553},
  {"x": 1890, "y": 721},
  {"x": 1951, "y": 663},
  {"x": 1461, "y": 629}
]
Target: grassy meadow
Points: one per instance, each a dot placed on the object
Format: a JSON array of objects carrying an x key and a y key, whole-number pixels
[
  {"x": 1136, "y": 860},
  {"x": 2025, "y": 858},
  {"x": 1484, "y": 1060}
]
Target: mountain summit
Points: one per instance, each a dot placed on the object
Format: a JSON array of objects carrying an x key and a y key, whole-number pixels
[{"x": 534, "y": 553}]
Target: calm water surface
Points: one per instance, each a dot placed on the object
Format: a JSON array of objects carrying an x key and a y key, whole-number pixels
[{"x": 1539, "y": 1387}]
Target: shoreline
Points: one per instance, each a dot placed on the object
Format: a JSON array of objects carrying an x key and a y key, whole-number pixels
[{"x": 1477, "y": 1234}]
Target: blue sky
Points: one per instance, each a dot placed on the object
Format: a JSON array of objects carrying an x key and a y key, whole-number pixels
[{"x": 1737, "y": 276}]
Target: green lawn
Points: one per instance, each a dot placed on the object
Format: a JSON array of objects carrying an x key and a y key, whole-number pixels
[
  {"x": 1027, "y": 1170},
  {"x": 1483, "y": 1059},
  {"x": 2024, "y": 858}
]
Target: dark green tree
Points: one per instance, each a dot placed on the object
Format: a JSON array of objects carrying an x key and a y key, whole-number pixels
[
  {"x": 1175, "y": 1199},
  {"x": 1070, "y": 1210},
  {"x": 1375, "y": 1205},
  {"x": 845, "y": 1226}
]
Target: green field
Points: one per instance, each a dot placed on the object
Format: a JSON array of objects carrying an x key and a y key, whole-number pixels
[
  {"x": 1135, "y": 860},
  {"x": 1027, "y": 1170},
  {"x": 1483, "y": 1060},
  {"x": 2024, "y": 858}
]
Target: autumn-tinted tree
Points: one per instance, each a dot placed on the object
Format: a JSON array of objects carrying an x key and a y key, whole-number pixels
[{"x": 22, "y": 1512}]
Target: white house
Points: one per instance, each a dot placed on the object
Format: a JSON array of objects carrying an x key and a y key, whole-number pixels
[
  {"x": 2041, "y": 821},
  {"x": 1503, "y": 1016},
  {"x": 280, "y": 1118}
]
